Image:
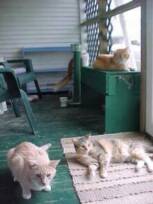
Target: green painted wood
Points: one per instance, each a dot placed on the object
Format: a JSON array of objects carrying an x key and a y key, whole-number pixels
[
  {"x": 95, "y": 80},
  {"x": 28, "y": 76},
  {"x": 10, "y": 91},
  {"x": 111, "y": 85},
  {"x": 15, "y": 107},
  {"x": 29, "y": 113},
  {"x": 93, "y": 99},
  {"x": 120, "y": 97},
  {"x": 77, "y": 74},
  {"x": 122, "y": 108}
]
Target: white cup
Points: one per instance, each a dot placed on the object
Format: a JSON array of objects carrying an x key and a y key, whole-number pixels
[
  {"x": 85, "y": 58},
  {"x": 63, "y": 102}
]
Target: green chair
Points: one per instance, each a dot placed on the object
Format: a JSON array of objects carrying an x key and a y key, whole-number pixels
[
  {"x": 9, "y": 90},
  {"x": 28, "y": 75}
]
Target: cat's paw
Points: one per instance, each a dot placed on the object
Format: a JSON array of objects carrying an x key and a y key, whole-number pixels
[
  {"x": 139, "y": 166},
  {"x": 92, "y": 171},
  {"x": 47, "y": 188},
  {"x": 150, "y": 167},
  {"x": 91, "y": 175},
  {"x": 26, "y": 196},
  {"x": 103, "y": 174}
]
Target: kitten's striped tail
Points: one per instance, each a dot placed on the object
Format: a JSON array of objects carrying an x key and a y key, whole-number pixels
[
  {"x": 62, "y": 83},
  {"x": 67, "y": 77}
]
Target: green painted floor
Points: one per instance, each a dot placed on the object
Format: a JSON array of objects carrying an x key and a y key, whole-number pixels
[{"x": 53, "y": 123}]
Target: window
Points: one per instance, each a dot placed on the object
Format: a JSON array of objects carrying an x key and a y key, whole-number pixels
[
  {"x": 116, "y": 3},
  {"x": 111, "y": 25},
  {"x": 126, "y": 33}
]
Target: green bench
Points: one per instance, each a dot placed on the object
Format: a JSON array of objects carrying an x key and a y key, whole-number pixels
[{"x": 117, "y": 93}]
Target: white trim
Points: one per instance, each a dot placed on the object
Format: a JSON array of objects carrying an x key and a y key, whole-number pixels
[{"x": 149, "y": 69}]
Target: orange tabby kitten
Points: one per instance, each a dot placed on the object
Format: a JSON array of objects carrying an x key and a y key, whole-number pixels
[
  {"x": 67, "y": 78},
  {"x": 116, "y": 61},
  {"x": 31, "y": 167},
  {"x": 98, "y": 154}
]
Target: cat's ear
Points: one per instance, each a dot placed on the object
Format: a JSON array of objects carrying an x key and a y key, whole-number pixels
[
  {"x": 46, "y": 146},
  {"x": 88, "y": 137},
  {"x": 54, "y": 163},
  {"x": 32, "y": 164}
]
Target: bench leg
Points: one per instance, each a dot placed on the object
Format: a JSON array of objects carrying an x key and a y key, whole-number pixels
[
  {"x": 15, "y": 107},
  {"x": 38, "y": 88},
  {"x": 29, "y": 112}
]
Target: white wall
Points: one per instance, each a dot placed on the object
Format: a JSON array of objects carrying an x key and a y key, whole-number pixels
[
  {"x": 26, "y": 23},
  {"x": 39, "y": 23}
]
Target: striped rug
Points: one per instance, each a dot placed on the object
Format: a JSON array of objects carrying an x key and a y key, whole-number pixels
[{"x": 122, "y": 186}]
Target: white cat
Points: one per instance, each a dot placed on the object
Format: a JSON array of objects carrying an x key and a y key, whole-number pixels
[{"x": 31, "y": 167}]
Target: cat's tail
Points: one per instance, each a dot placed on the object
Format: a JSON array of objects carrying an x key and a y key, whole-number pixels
[
  {"x": 66, "y": 79},
  {"x": 62, "y": 83},
  {"x": 46, "y": 146}
]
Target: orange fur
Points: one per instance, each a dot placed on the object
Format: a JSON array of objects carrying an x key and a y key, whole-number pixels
[
  {"x": 67, "y": 78},
  {"x": 31, "y": 167},
  {"x": 116, "y": 61}
]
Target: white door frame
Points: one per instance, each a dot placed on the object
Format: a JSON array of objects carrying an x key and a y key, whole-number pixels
[{"x": 149, "y": 67}]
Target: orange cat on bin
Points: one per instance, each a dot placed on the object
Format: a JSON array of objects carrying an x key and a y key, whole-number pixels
[{"x": 116, "y": 61}]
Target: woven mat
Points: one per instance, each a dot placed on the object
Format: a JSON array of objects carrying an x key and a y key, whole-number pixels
[{"x": 122, "y": 186}]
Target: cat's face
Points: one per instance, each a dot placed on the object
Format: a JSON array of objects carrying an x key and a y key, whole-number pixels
[
  {"x": 42, "y": 175},
  {"x": 83, "y": 145},
  {"x": 121, "y": 56}
]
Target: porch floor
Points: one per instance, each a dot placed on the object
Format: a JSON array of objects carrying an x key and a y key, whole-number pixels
[{"x": 53, "y": 123}]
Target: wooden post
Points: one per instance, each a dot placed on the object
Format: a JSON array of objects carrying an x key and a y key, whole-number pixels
[{"x": 102, "y": 27}]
